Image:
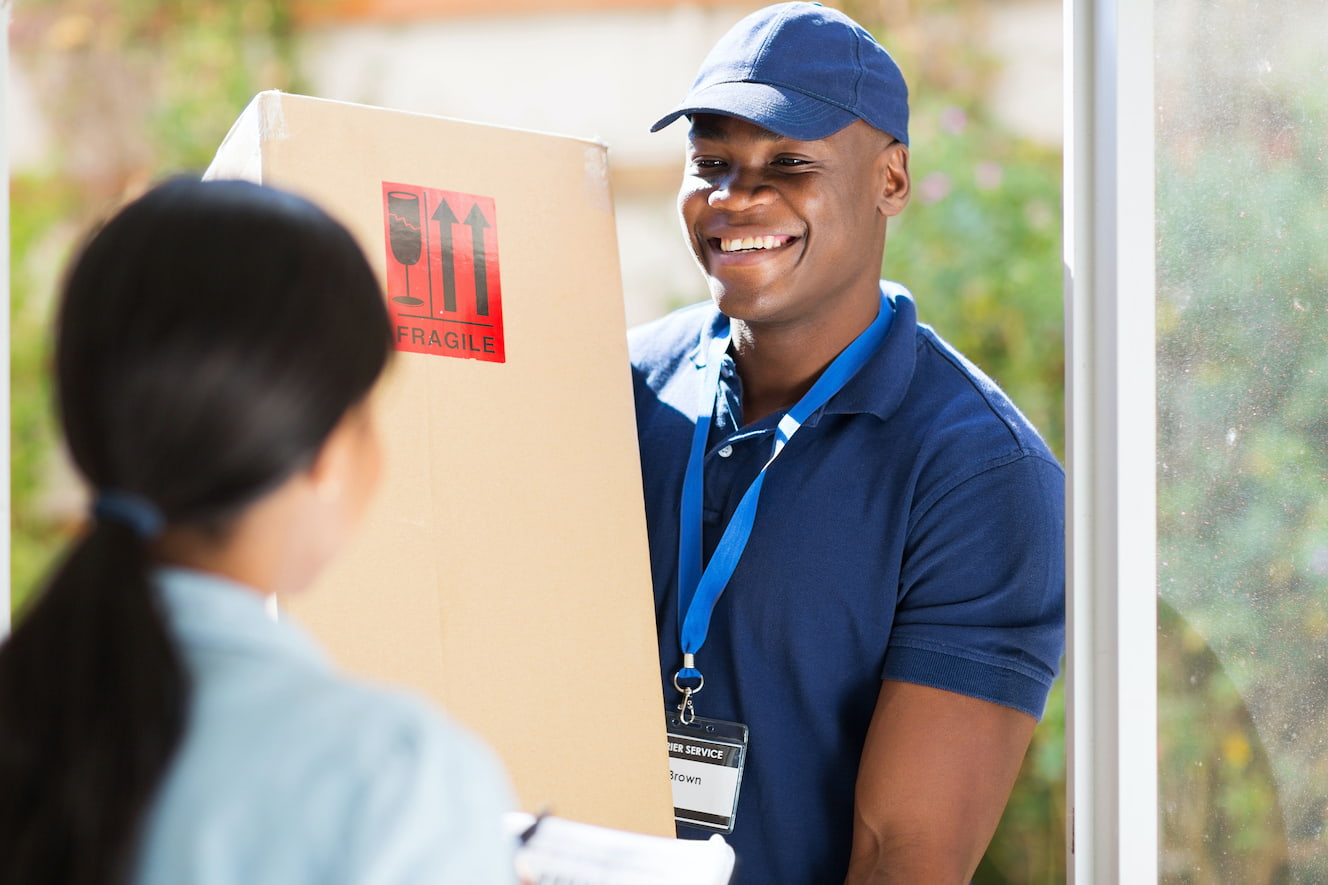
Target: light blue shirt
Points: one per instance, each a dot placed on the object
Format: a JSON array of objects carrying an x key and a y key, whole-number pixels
[{"x": 289, "y": 773}]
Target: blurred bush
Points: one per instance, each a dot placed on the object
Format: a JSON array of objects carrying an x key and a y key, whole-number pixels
[
  {"x": 1242, "y": 321},
  {"x": 130, "y": 90}
]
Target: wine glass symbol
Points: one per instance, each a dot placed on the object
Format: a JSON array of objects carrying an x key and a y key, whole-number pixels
[{"x": 405, "y": 235}]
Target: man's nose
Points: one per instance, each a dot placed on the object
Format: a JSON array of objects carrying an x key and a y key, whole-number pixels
[{"x": 741, "y": 189}]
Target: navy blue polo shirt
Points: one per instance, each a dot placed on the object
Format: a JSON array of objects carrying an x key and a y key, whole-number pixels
[{"x": 913, "y": 529}]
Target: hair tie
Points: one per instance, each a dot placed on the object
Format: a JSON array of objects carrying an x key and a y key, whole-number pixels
[{"x": 134, "y": 511}]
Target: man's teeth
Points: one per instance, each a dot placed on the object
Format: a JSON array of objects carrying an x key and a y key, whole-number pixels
[{"x": 739, "y": 244}]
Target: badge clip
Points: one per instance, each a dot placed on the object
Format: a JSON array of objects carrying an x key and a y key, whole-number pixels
[{"x": 687, "y": 712}]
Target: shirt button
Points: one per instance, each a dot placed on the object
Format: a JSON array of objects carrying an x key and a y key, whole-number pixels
[{"x": 725, "y": 452}]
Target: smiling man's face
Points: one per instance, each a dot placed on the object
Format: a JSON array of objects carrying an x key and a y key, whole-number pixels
[{"x": 787, "y": 230}]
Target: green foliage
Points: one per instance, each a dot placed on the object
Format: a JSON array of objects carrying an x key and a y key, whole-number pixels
[
  {"x": 38, "y": 205},
  {"x": 189, "y": 68},
  {"x": 1220, "y": 816},
  {"x": 979, "y": 247},
  {"x": 1242, "y": 318},
  {"x": 1243, "y": 452},
  {"x": 221, "y": 53}
]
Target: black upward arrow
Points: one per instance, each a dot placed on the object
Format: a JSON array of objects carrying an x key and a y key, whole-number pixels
[
  {"x": 443, "y": 215},
  {"x": 477, "y": 225}
]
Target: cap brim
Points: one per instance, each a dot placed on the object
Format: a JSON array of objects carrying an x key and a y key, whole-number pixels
[{"x": 784, "y": 112}]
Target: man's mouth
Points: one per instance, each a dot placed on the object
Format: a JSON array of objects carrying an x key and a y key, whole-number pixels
[{"x": 750, "y": 244}]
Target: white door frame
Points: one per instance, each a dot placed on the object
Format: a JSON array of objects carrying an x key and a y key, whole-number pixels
[{"x": 1111, "y": 535}]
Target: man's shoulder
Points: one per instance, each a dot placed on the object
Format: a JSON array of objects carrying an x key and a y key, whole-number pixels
[
  {"x": 664, "y": 342},
  {"x": 964, "y": 399}
]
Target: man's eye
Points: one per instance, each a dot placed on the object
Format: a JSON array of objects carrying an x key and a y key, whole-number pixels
[
  {"x": 789, "y": 162},
  {"x": 707, "y": 163}
]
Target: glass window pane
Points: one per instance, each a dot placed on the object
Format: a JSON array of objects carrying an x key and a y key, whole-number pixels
[{"x": 1242, "y": 325}]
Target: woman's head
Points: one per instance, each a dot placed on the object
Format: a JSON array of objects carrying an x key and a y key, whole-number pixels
[
  {"x": 213, "y": 344},
  {"x": 211, "y": 337}
]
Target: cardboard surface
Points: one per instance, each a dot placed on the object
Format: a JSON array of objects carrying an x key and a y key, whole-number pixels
[{"x": 502, "y": 570}]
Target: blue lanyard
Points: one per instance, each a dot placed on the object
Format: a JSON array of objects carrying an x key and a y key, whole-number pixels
[{"x": 699, "y": 590}]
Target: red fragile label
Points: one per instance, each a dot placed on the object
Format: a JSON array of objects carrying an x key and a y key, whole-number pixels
[{"x": 443, "y": 287}]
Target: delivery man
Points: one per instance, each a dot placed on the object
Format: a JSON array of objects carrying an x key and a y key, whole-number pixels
[{"x": 856, "y": 539}]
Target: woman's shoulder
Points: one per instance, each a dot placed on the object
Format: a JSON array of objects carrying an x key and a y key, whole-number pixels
[
  {"x": 323, "y": 715},
  {"x": 371, "y": 773}
]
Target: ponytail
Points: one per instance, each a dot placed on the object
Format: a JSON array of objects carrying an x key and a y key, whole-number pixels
[
  {"x": 209, "y": 339},
  {"x": 92, "y": 707}
]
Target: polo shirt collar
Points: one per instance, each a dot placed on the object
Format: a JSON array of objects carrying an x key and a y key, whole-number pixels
[{"x": 879, "y": 387}]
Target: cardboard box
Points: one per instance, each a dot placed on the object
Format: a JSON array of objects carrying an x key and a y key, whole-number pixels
[{"x": 502, "y": 570}]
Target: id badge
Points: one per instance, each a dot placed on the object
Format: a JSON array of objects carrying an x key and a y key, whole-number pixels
[{"x": 706, "y": 758}]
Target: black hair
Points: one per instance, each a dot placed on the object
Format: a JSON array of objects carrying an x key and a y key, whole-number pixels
[{"x": 209, "y": 339}]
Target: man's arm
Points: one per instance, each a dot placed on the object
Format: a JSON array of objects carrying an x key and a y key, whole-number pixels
[{"x": 936, "y": 772}]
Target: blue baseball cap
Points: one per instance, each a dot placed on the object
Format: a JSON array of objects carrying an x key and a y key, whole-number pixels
[{"x": 802, "y": 71}]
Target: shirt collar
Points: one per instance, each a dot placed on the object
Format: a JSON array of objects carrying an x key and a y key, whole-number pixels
[
  {"x": 879, "y": 387},
  {"x": 207, "y": 610}
]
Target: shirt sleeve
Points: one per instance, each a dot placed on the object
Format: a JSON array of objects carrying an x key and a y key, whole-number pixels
[
  {"x": 431, "y": 811},
  {"x": 981, "y": 606}
]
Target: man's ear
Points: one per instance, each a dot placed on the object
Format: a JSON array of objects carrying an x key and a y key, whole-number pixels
[{"x": 892, "y": 174}]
